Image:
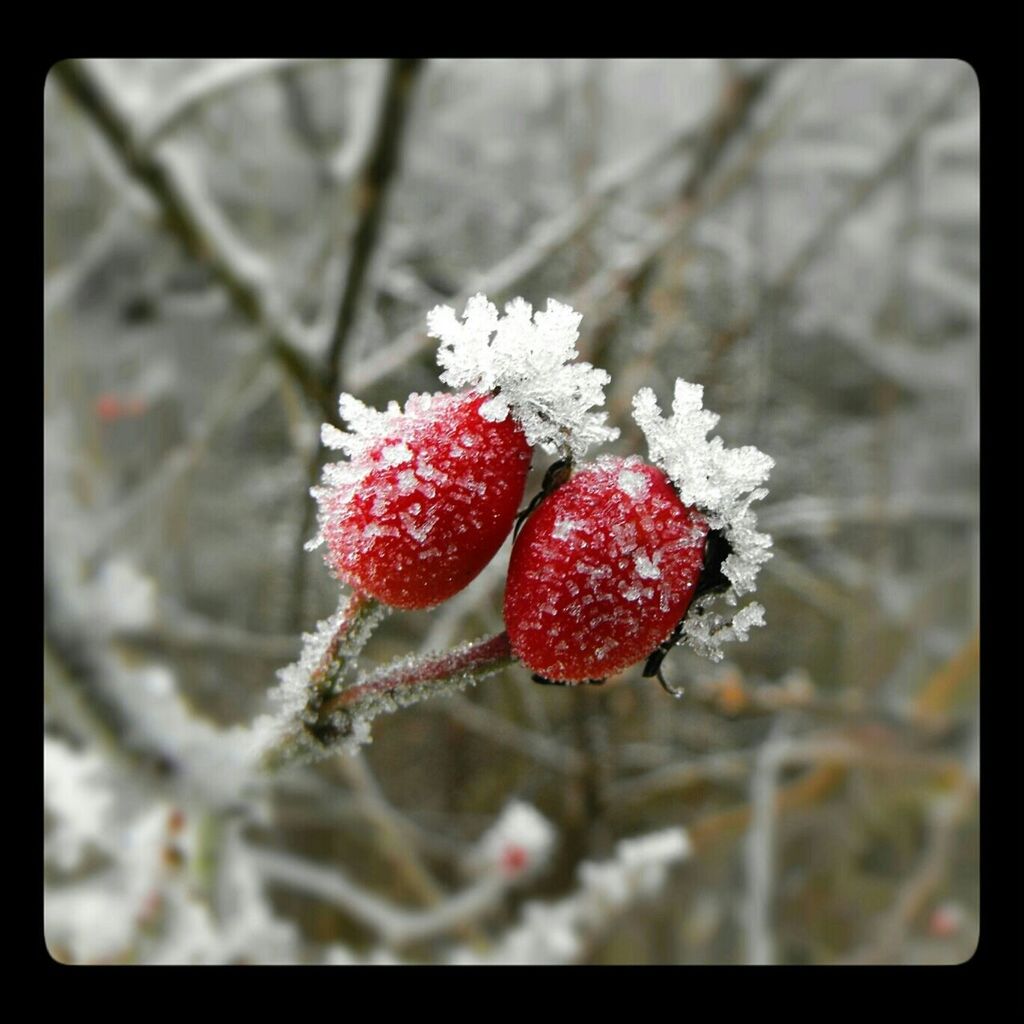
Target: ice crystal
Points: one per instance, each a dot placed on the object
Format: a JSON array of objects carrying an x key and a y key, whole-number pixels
[
  {"x": 527, "y": 359},
  {"x": 721, "y": 482}
]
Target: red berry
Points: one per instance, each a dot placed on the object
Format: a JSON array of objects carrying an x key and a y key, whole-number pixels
[
  {"x": 421, "y": 509},
  {"x": 602, "y": 572}
]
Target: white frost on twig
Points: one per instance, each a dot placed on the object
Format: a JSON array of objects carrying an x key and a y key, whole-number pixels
[
  {"x": 558, "y": 932},
  {"x": 528, "y": 358}
]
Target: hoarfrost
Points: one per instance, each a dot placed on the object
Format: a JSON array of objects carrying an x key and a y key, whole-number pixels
[
  {"x": 559, "y": 932},
  {"x": 636, "y": 485},
  {"x": 563, "y": 528},
  {"x": 397, "y": 454},
  {"x": 721, "y": 482},
  {"x": 527, "y": 358},
  {"x": 78, "y": 801},
  {"x": 645, "y": 567}
]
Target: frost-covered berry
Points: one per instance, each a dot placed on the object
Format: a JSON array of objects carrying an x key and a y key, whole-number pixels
[
  {"x": 606, "y": 569},
  {"x": 428, "y": 493},
  {"x": 602, "y": 571},
  {"x": 426, "y": 499}
]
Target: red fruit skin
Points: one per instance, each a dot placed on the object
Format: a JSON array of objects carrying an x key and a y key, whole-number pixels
[
  {"x": 415, "y": 533},
  {"x": 602, "y": 572}
]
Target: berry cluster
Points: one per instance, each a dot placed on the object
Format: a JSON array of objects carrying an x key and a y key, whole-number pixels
[{"x": 616, "y": 560}]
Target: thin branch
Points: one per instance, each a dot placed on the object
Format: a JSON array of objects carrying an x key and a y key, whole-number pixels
[
  {"x": 398, "y": 836},
  {"x": 199, "y": 88},
  {"x": 371, "y": 195},
  {"x": 370, "y": 192},
  {"x": 858, "y": 195},
  {"x": 393, "y": 925},
  {"x": 811, "y": 514},
  {"x": 835, "y": 749},
  {"x": 61, "y": 285},
  {"x": 410, "y": 680},
  {"x": 248, "y": 377},
  {"x": 545, "y": 242},
  {"x": 178, "y": 629},
  {"x": 759, "y": 855},
  {"x": 609, "y": 290},
  {"x": 544, "y": 750},
  {"x": 945, "y": 817},
  {"x": 201, "y": 229}
]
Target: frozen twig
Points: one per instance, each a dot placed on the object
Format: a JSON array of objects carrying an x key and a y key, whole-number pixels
[
  {"x": 563, "y": 931},
  {"x": 759, "y": 855},
  {"x": 513, "y": 850},
  {"x": 392, "y": 925},
  {"x": 547, "y": 239},
  {"x": 371, "y": 194},
  {"x": 178, "y": 629},
  {"x": 198, "y": 89},
  {"x": 370, "y": 191},
  {"x": 543, "y": 750},
  {"x": 828, "y": 748},
  {"x": 248, "y": 377},
  {"x": 398, "y": 835},
  {"x": 317, "y": 717},
  {"x": 62, "y": 284},
  {"x": 171, "y": 181},
  {"x": 824, "y": 234},
  {"x": 607, "y": 291},
  {"x": 301, "y": 727}
]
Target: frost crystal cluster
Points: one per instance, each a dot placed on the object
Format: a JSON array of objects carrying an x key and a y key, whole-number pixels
[
  {"x": 721, "y": 482},
  {"x": 527, "y": 358}
]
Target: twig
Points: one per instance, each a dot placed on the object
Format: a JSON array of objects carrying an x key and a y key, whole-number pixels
[
  {"x": 546, "y": 240},
  {"x": 808, "y": 515},
  {"x": 609, "y": 290},
  {"x": 393, "y": 925},
  {"x": 200, "y": 88},
  {"x": 833, "y": 749},
  {"x": 62, "y": 284},
  {"x": 200, "y": 228},
  {"x": 319, "y": 718},
  {"x": 759, "y": 855},
  {"x": 393, "y": 828},
  {"x": 946, "y": 815},
  {"x": 777, "y": 290},
  {"x": 371, "y": 195},
  {"x": 248, "y": 376},
  {"x": 410, "y": 680},
  {"x": 181, "y": 630},
  {"x": 544, "y": 750}
]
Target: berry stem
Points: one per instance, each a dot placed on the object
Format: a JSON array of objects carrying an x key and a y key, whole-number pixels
[
  {"x": 338, "y": 719},
  {"x": 315, "y": 679},
  {"x": 351, "y": 633},
  {"x": 409, "y": 680}
]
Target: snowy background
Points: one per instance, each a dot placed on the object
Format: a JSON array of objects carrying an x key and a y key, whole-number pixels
[{"x": 230, "y": 243}]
